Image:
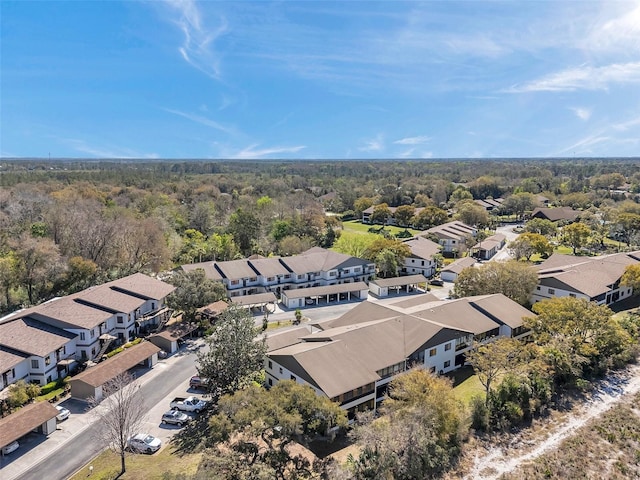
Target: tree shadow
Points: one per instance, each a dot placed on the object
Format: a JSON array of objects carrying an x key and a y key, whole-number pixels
[{"x": 194, "y": 436}]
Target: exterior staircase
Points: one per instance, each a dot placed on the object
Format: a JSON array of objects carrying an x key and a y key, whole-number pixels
[{"x": 103, "y": 349}]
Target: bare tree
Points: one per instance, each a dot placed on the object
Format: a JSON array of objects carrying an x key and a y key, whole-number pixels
[{"x": 121, "y": 415}]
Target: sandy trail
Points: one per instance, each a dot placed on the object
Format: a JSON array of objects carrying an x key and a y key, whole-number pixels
[{"x": 608, "y": 392}]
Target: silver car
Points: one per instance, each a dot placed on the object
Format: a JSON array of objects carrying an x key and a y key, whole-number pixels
[
  {"x": 144, "y": 443},
  {"x": 175, "y": 417}
]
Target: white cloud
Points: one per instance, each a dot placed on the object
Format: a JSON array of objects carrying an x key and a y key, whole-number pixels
[
  {"x": 203, "y": 121},
  {"x": 616, "y": 34},
  {"x": 197, "y": 48},
  {"x": 252, "y": 152},
  {"x": 373, "y": 145},
  {"x": 583, "y": 78},
  {"x": 104, "y": 151},
  {"x": 413, "y": 140},
  {"x": 628, "y": 124},
  {"x": 581, "y": 113}
]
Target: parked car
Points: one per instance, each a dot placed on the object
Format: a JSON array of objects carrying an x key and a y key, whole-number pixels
[
  {"x": 144, "y": 443},
  {"x": 198, "y": 382},
  {"x": 63, "y": 413},
  {"x": 175, "y": 417},
  {"x": 188, "y": 404},
  {"x": 436, "y": 281},
  {"x": 12, "y": 447}
]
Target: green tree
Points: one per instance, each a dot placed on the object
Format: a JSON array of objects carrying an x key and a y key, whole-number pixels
[
  {"x": 235, "y": 355},
  {"x": 387, "y": 263},
  {"x": 419, "y": 434},
  {"x": 514, "y": 279},
  {"x": 194, "y": 290},
  {"x": 575, "y": 333},
  {"x": 576, "y": 235},
  {"x": 631, "y": 278},
  {"x": 471, "y": 213},
  {"x": 245, "y": 228},
  {"x": 529, "y": 243},
  {"x": 361, "y": 204},
  {"x": 518, "y": 204},
  {"x": 257, "y": 426},
  {"x": 430, "y": 217},
  {"x": 627, "y": 224},
  {"x": 381, "y": 213},
  {"x": 404, "y": 215},
  {"x": 492, "y": 360},
  {"x": 542, "y": 226}
]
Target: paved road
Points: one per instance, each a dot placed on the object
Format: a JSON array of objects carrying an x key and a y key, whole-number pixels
[{"x": 64, "y": 453}]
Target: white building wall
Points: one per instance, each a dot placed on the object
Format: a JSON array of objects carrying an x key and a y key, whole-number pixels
[
  {"x": 441, "y": 357},
  {"x": 277, "y": 372},
  {"x": 17, "y": 372}
]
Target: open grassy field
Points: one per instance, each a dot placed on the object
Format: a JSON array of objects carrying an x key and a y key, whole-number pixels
[
  {"x": 358, "y": 226},
  {"x": 106, "y": 466}
]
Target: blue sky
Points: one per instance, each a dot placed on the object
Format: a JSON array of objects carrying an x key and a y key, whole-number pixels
[{"x": 209, "y": 79}]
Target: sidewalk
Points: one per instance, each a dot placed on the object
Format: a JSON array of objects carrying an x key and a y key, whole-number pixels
[{"x": 35, "y": 447}]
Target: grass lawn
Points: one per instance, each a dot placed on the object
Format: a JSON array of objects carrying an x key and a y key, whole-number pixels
[
  {"x": 358, "y": 226},
  {"x": 466, "y": 384},
  {"x": 106, "y": 466}
]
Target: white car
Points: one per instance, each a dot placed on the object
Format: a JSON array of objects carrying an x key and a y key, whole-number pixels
[
  {"x": 63, "y": 413},
  {"x": 12, "y": 447},
  {"x": 143, "y": 442}
]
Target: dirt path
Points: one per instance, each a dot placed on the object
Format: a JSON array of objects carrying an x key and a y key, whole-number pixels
[{"x": 500, "y": 460}]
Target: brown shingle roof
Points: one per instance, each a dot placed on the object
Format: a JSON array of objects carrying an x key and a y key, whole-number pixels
[
  {"x": 123, "y": 361},
  {"x": 106, "y": 297},
  {"x": 460, "y": 264},
  {"x": 208, "y": 267},
  {"x": 255, "y": 299},
  {"x": 591, "y": 276},
  {"x": 143, "y": 285},
  {"x": 73, "y": 312},
  {"x": 556, "y": 214},
  {"x": 269, "y": 267},
  {"x": 422, "y": 247},
  {"x": 32, "y": 336},
  {"x": 9, "y": 359},
  {"x": 28, "y": 418}
]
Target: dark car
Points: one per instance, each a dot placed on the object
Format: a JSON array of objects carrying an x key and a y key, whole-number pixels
[
  {"x": 198, "y": 382},
  {"x": 437, "y": 282}
]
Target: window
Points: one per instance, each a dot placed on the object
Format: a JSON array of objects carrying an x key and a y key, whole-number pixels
[
  {"x": 573, "y": 295},
  {"x": 93, "y": 334},
  {"x": 447, "y": 364},
  {"x": 47, "y": 360},
  {"x": 552, "y": 291},
  {"x": 82, "y": 336},
  {"x": 432, "y": 370},
  {"x": 280, "y": 370},
  {"x": 271, "y": 279},
  {"x": 447, "y": 347},
  {"x": 538, "y": 287},
  {"x": 270, "y": 365},
  {"x": 293, "y": 378},
  {"x": 332, "y": 274},
  {"x": 235, "y": 282},
  {"x": 120, "y": 319},
  {"x": 432, "y": 352},
  {"x": 35, "y": 363},
  {"x": 270, "y": 382}
]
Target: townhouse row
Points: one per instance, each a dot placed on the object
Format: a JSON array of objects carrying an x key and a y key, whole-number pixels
[
  {"x": 43, "y": 343},
  {"x": 352, "y": 359}
]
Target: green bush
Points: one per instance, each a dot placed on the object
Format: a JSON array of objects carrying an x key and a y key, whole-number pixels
[
  {"x": 49, "y": 387},
  {"x": 115, "y": 352}
]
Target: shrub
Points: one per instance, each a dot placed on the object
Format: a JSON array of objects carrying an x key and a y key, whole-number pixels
[
  {"x": 479, "y": 414},
  {"x": 49, "y": 387},
  {"x": 114, "y": 352}
]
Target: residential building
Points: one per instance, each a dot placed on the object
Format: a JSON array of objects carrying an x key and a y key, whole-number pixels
[
  {"x": 452, "y": 236},
  {"x": 422, "y": 259},
  {"x": 41, "y": 343},
  {"x": 490, "y": 204},
  {"x": 352, "y": 359},
  {"x": 488, "y": 247},
  {"x": 316, "y": 267},
  {"x": 596, "y": 279},
  {"x": 557, "y": 214},
  {"x": 450, "y": 272}
]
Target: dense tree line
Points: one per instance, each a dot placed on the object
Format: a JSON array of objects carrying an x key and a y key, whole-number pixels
[{"x": 68, "y": 224}]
